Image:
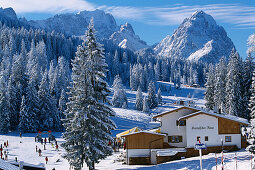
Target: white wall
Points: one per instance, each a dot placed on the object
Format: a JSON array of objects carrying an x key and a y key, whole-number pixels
[
  {"x": 169, "y": 126},
  {"x": 202, "y": 125},
  {"x": 214, "y": 139},
  {"x": 138, "y": 152},
  {"x": 235, "y": 139}
]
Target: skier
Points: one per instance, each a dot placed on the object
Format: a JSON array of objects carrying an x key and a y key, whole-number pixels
[
  {"x": 57, "y": 147},
  {"x": 42, "y": 141},
  {"x": 45, "y": 140},
  {"x": 124, "y": 145},
  {"x": 44, "y": 147},
  {"x": 40, "y": 152},
  {"x": 56, "y": 142},
  {"x": 7, "y": 143},
  {"x": 20, "y": 134},
  {"x": 46, "y": 159},
  {"x": 35, "y": 148}
]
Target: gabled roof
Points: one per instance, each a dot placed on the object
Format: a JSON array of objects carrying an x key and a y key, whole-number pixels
[
  {"x": 135, "y": 129},
  {"x": 147, "y": 132},
  {"x": 174, "y": 110},
  {"x": 224, "y": 116}
]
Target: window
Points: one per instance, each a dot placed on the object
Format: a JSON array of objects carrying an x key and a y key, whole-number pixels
[
  {"x": 174, "y": 139},
  {"x": 198, "y": 137},
  {"x": 181, "y": 123},
  {"x": 206, "y": 138},
  {"x": 227, "y": 138}
]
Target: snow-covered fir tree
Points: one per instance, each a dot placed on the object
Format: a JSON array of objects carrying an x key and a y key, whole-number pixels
[
  {"x": 62, "y": 103},
  {"x": 210, "y": 86},
  {"x": 27, "y": 119},
  {"x": 146, "y": 107},
  {"x": 88, "y": 122},
  {"x": 252, "y": 98},
  {"x": 139, "y": 100},
  {"x": 152, "y": 97},
  {"x": 4, "y": 105},
  {"x": 234, "y": 85},
  {"x": 159, "y": 97},
  {"x": 29, "y": 111},
  {"x": 119, "y": 98},
  {"x": 246, "y": 84},
  {"x": 49, "y": 117},
  {"x": 220, "y": 85}
]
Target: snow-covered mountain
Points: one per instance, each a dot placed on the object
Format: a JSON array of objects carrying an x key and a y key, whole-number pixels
[
  {"x": 105, "y": 25},
  {"x": 76, "y": 24},
  {"x": 198, "y": 38},
  {"x": 126, "y": 38},
  {"x": 9, "y": 18}
]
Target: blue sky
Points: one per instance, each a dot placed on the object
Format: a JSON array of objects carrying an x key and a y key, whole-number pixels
[{"x": 152, "y": 20}]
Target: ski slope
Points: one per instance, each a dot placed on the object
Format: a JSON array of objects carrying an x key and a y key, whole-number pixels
[{"x": 24, "y": 148}]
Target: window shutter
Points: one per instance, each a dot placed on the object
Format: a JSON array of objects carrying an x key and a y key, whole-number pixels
[
  {"x": 180, "y": 138},
  {"x": 170, "y": 139}
]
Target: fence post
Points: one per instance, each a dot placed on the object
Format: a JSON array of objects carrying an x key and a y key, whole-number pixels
[
  {"x": 236, "y": 160},
  {"x": 216, "y": 160},
  {"x": 251, "y": 161},
  {"x": 222, "y": 159}
]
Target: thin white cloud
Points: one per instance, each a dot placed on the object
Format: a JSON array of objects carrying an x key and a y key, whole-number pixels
[
  {"x": 242, "y": 16},
  {"x": 47, "y": 6},
  {"x": 236, "y": 14}
]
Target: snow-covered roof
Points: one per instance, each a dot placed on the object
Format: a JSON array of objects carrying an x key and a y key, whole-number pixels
[
  {"x": 225, "y": 116},
  {"x": 176, "y": 109},
  {"x": 7, "y": 166},
  {"x": 148, "y": 132}
]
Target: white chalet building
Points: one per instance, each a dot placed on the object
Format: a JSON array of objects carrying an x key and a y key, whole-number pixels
[{"x": 184, "y": 126}]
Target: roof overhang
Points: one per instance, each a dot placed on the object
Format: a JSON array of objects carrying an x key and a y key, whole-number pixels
[
  {"x": 174, "y": 110},
  {"x": 228, "y": 117},
  {"x": 146, "y": 132}
]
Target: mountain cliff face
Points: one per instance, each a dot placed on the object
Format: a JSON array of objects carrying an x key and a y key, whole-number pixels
[
  {"x": 76, "y": 24},
  {"x": 105, "y": 25},
  {"x": 126, "y": 38},
  {"x": 198, "y": 38}
]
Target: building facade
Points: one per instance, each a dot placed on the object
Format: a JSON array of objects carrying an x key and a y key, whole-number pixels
[{"x": 185, "y": 126}]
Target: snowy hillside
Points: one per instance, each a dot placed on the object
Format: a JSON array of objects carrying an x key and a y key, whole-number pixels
[
  {"x": 128, "y": 118},
  {"x": 197, "y": 38}
]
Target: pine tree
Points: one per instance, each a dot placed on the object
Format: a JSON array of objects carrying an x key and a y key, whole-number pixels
[
  {"x": 233, "y": 85},
  {"x": 146, "y": 107},
  {"x": 139, "y": 100},
  {"x": 119, "y": 97},
  {"x": 87, "y": 123},
  {"x": 159, "y": 97},
  {"x": 4, "y": 105},
  {"x": 62, "y": 103},
  {"x": 49, "y": 114},
  {"x": 152, "y": 98},
  {"x": 247, "y": 81},
  {"x": 29, "y": 111},
  {"x": 252, "y": 98},
  {"x": 220, "y": 85},
  {"x": 210, "y": 86}
]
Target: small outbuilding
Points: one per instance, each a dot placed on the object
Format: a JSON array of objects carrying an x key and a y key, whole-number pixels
[{"x": 139, "y": 145}]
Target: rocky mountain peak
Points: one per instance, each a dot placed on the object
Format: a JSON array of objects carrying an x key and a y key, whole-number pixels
[{"x": 197, "y": 38}]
